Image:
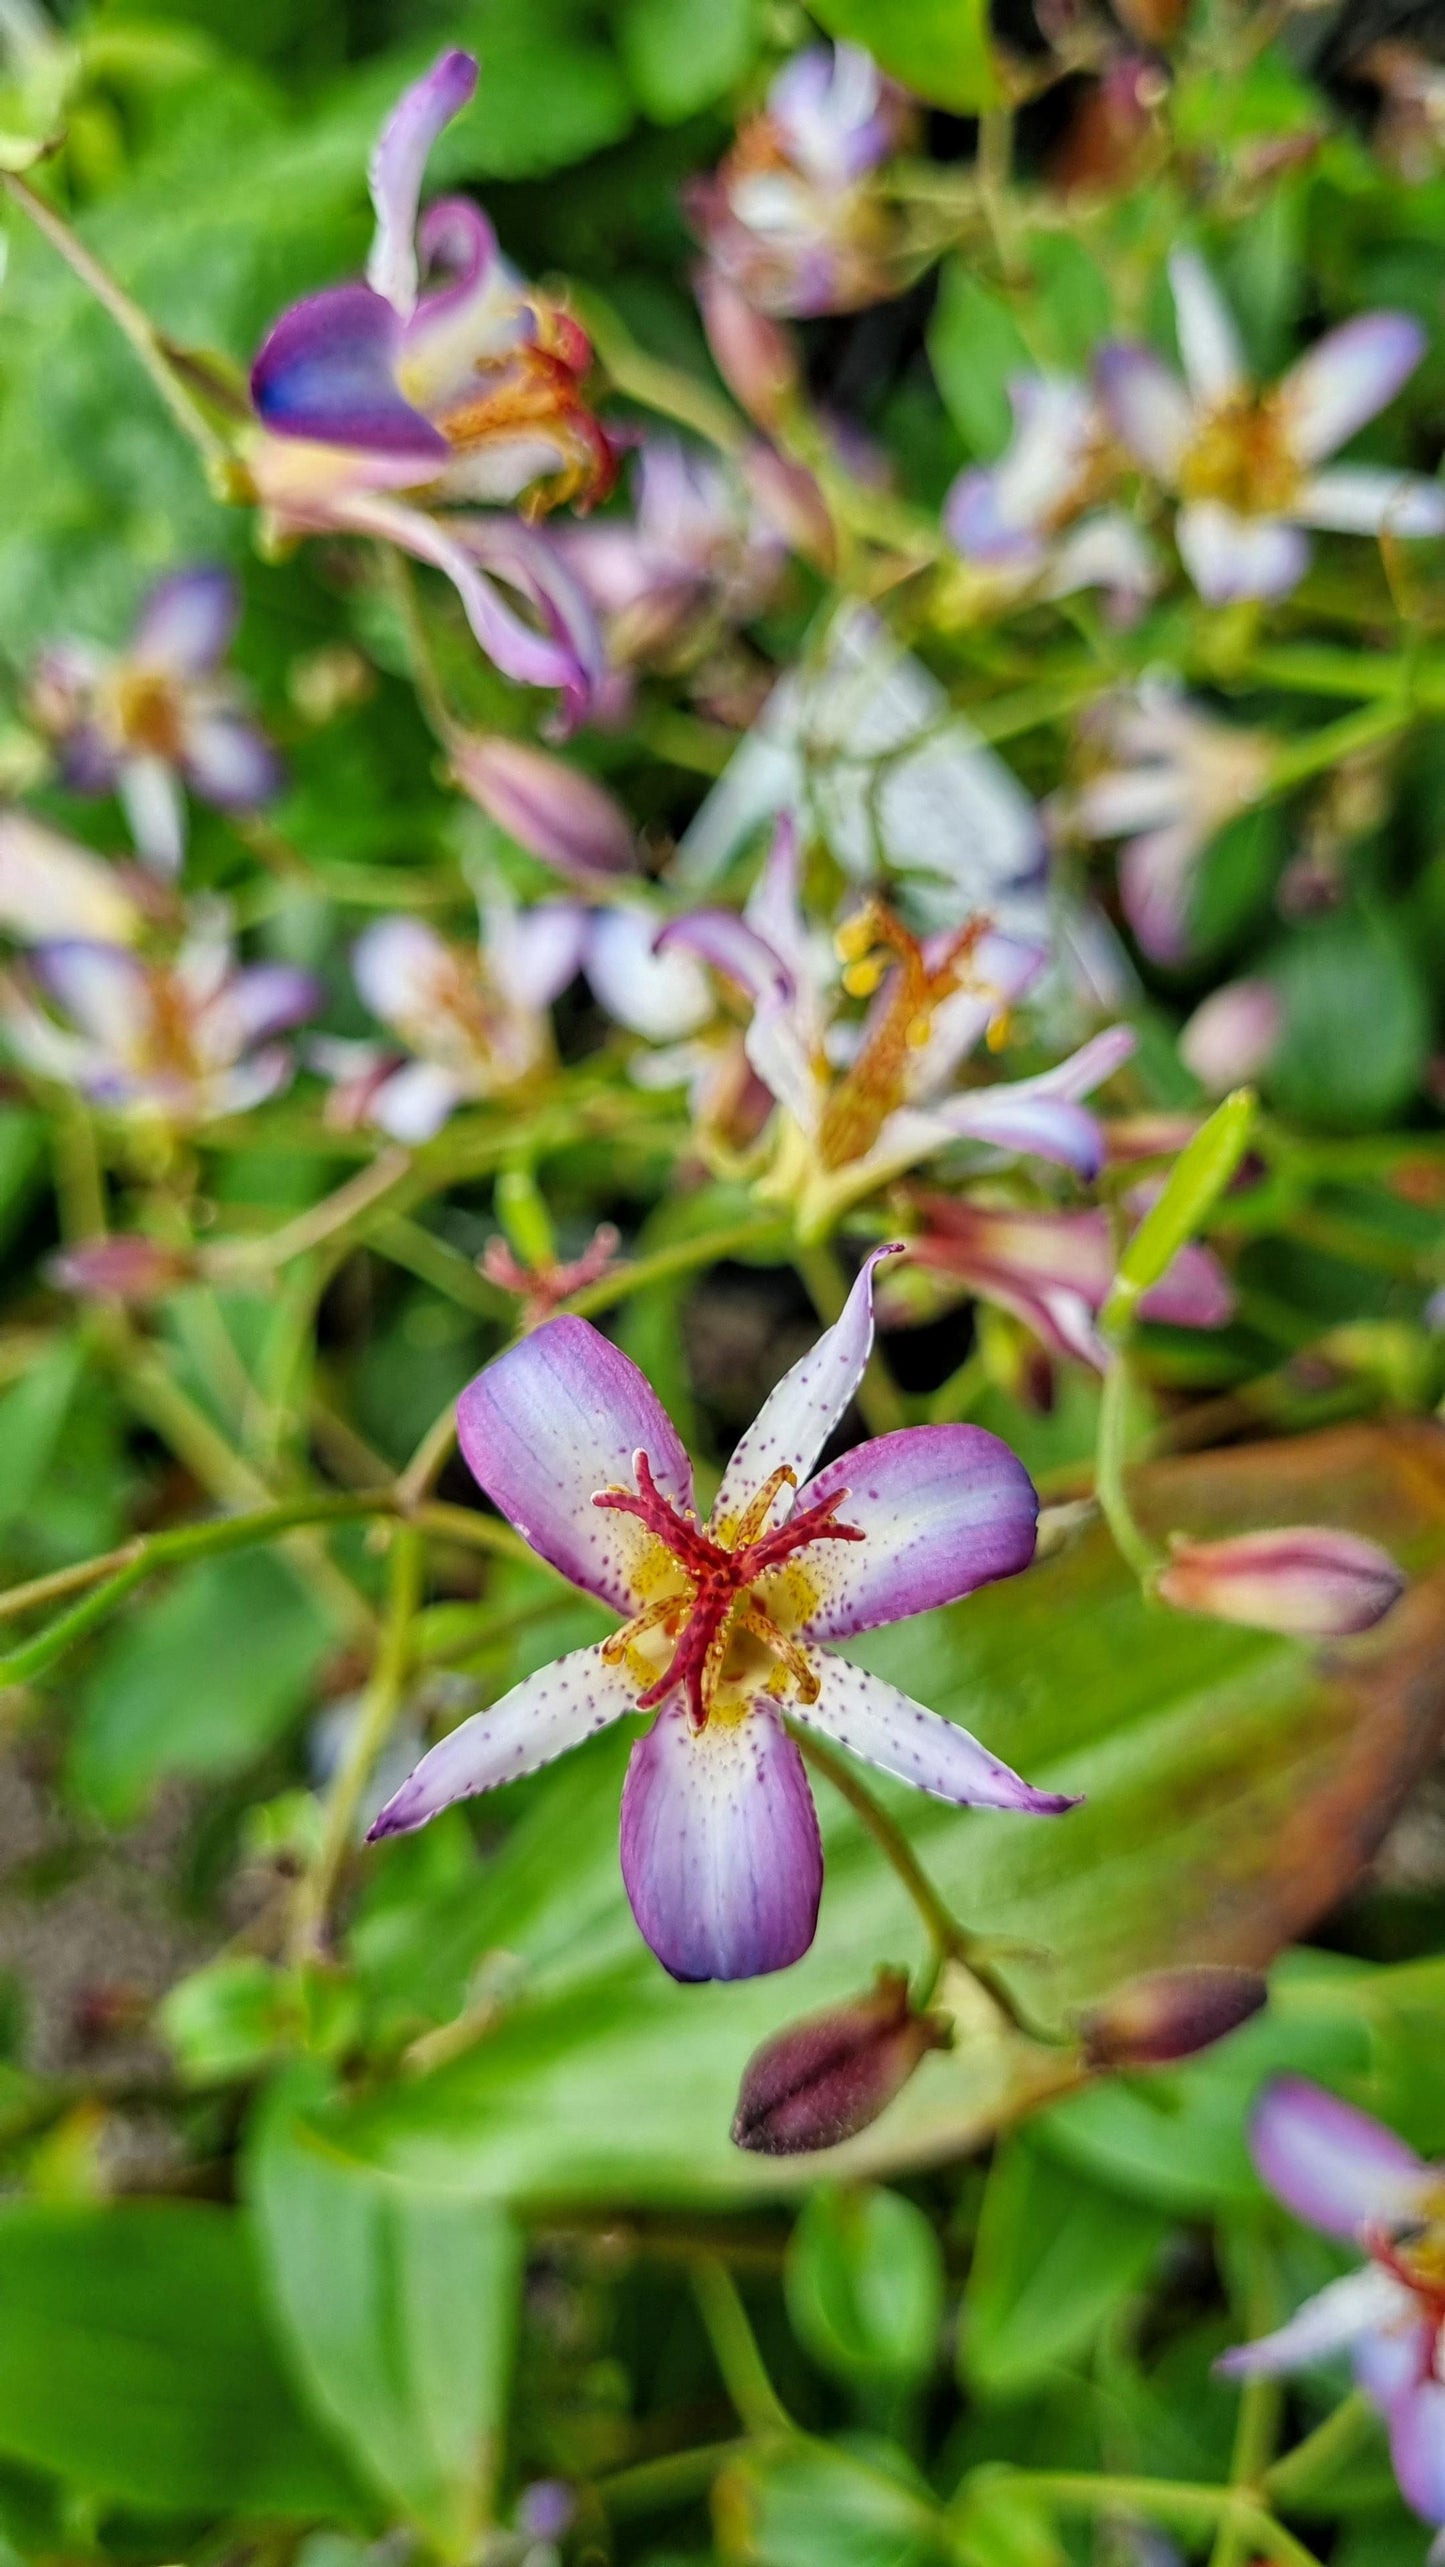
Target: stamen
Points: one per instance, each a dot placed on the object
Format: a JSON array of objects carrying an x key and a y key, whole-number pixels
[{"x": 755, "y": 1514}]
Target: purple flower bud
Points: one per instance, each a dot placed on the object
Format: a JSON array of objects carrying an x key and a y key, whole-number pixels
[
  {"x": 1229, "y": 1040},
  {"x": 821, "y": 2081},
  {"x": 552, "y": 809},
  {"x": 1169, "y": 2014},
  {"x": 755, "y": 356},
  {"x": 1303, "y": 1579},
  {"x": 128, "y": 1268}
]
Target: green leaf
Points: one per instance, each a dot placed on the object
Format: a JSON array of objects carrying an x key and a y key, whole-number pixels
[
  {"x": 199, "y": 1680},
  {"x": 865, "y": 2284},
  {"x": 135, "y": 2361},
  {"x": 1233, "y": 1786},
  {"x": 938, "y": 48},
  {"x": 400, "y": 2307},
  {"x": 32, "y": 1417},
  {"x": 1356, "y": 1022},
  {"x": 1195, "y": 1183},
  {"x": 1055, "y": 2255},
  {"x": 680, "y": 55},
  {"x": 227, "y": 2019},
  {"x": 823, "y": 2506},
  {"x": 999, "y": 2524},
  {"x": 974, "y": 347}
]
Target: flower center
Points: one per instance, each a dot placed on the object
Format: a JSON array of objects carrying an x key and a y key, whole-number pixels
[
  {"x": 1242, "y": 457},
  {"x": 1418, "y": 2260},
  {"x": 717, "y": 1601},
  {"x": 147, "y": 713}
]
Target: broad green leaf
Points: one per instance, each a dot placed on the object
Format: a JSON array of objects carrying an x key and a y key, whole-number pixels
[
  {"x": 136, "y": 2362},
  {"x": 198, "y": 1680},
  {"x": 1054, "y": 2258},
  {"x": 1357, "y": 1021},
  {"x": 1194, "y": 1185},
  {"x": 1234, "y": 1783},
  {"x": 865, "y": 2283},
  {"x": 227, "y": 2019},
  {"x": 400, "y": 2308},
  {"x": 940, "y": 49},
  {"x": 1001, "y": 2525},
  {"x": 679, "y": 55},
  {"x": 32, "y": 1416},
  {"x": 825, "y": 2506},
  {"x": 974, "y": 347}
]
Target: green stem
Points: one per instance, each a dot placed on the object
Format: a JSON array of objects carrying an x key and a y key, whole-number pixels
[
  {"x": 1323, "y": 750},
  {"x": 949, "y": 1940},
  {"x": 1166, "y": 2500},
  {"x": 1294, "y": 2478},
  {"x": 735, "y": 2350},
  {"x": 134, "y": 324},
  {"x": 655, "y": 2484},
  {"x": 122, "y": 1571},
  {"x": 379, "y": 1709},
  {"x": 1109, "y": 1469},
  {"x": 1260, "y": 2407}
]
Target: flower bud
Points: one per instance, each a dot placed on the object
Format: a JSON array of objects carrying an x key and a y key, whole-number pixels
[
  {"x": 1229, "y": 1040},
  {"x": 1302, "y": 1579},
  {"x": 1169, "y": 2014},
  {"x": 755, "y": 356},
  {"x": 821, "y": 2081},
  {"x": 552, "y": 809},
  {"x": 128, "y": 1268}
]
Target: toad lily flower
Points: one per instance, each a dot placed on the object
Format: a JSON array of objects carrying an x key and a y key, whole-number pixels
[
  {"x": 160, "y": 715},
  {"x": 793, "y": 217},
  {"x": 1244, "y": 461},
  {"x": 177, "y": 1044},
  {"x": 391, "y": 407},
  {"x": 720, "y": 1848},
  {"x": 697, "y": 557},
  {"x": 1343, "y": 2172},
  {"x": 1173, "y": 777},
  {"x": 1054, "y": 1270},
  {"x": 862, "y": 1101},
  {"x": 1033, "y": 521},
  {"x": 472, "y": 1018}
]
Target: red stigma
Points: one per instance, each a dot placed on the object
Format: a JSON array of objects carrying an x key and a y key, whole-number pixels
[{"x": 718, "y": 1576}]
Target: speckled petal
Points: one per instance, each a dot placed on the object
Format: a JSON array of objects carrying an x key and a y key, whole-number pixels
[
  {"x": 944, "y": 1509},
  {"x": 796, "y": 1420},
  {"x": 872, "y": 1719},
  {"x": 155, "y": 812},
  {"x": 1149, "y": 407},
  {"x": 413, "y": 1102},
  {"x": 662, "y": 993},
  {"x": 1332, "y": 2165},
  {"x": 1346, "y": 379},
  {"x": 327, "y": 372},
  {"x": 229, "y": 761},
  {"x": 720, "y": 1847},
  {"x": 104, "y": 989},
  {"x": 1335, "y": 2318},
  {"x": 1359, "y": 499},
  {"x": 540, "y": 1718},
  {"x": 552, "y": 1422},
  {"x": 398, "y": 165}
]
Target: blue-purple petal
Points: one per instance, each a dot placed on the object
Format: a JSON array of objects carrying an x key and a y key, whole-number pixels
[
  {"x": 327, "y": 372},
  {"x": 720, "y": 1848}
]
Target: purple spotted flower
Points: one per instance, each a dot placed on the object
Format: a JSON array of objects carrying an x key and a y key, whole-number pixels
[
  {"x": 793, "y": 218},
  {"x": 1035, "y": 522},
  {"x": 177, "y": 1043},
  {"x": 159, "y": 718},
  {"x": 443, "y": 385},
  {"x": 1245, "y": 461},
  {"x": 725, "y": 1622},
  {"x": 862, "y": 1099},
  {"x": 1344, "y": 2173}
]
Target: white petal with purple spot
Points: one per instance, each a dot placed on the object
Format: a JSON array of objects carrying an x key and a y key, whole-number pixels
[
  {"x": 796, "y": 1420},
  {"x": 1346, "y": 379},
  {"x": 398, "y": 164},
  {"x": 872, "y": 1719},
  {"x": 720, "y": 1847},
  {"x": 1229, "y": 557},
  {"x": 943, "y": 1510},
  {"x": 1332, "y": 2165},
  {"x": 1208, "y": 340},
  {"x": 540, "y": 1718},
  {"x": 1336, "y": 2318},
  {"x": 1357, "y": 499}
]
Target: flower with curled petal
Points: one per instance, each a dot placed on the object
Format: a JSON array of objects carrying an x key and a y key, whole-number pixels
[
  {"x": 1343, "y": 2172},
  {"x": 861, "y": 1100},
  {"x": 793, "y": 217},
  {"x": 173, "y": 1043},
  {"x": 392, "y": 407},
  {"x": 725, "y": 1622},
  {"x": 1245, "y": 461},
  {"x": 160, "y": 717}
]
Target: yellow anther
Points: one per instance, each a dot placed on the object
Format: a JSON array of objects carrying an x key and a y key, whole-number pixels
[
  {"x": 856, "y": 936},
  {"x": 1000, "y": 1028},
  {"x": 920, "y": 1031},
  {"x": 862, "y": 978}
]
